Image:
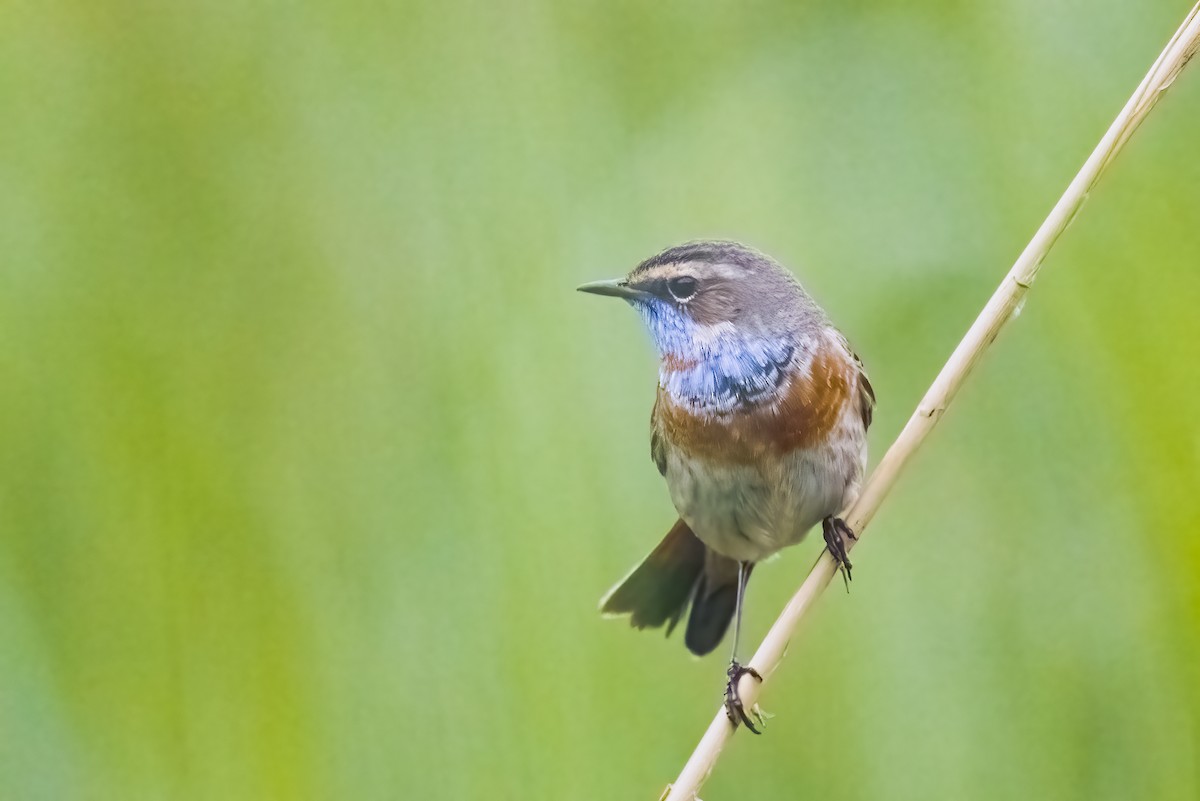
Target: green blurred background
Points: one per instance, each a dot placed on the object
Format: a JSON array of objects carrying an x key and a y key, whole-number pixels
[{"x": 314, "y": 465}]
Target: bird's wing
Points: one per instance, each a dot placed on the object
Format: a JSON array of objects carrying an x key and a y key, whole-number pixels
[
  {"x": 866, "y": 392},
  {"x": 658, "y": 450}
]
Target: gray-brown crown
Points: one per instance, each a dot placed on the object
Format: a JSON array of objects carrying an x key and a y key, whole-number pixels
[{"x": 732, "y": 282}]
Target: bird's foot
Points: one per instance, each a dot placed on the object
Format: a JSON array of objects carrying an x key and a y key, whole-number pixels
[
  {"x": 837, "y": 534},
  {"x": 733, "y": 701}
]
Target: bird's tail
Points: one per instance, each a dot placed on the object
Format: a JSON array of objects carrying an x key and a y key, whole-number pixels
[
  {"x": 714, "y": 603},
  {"x": 681, "y": 570}
]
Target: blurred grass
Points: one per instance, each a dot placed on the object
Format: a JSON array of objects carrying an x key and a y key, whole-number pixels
[{"x": 314, "y": 466}]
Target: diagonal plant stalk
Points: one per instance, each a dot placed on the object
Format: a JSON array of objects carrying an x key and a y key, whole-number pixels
[{"x": 999, "y": 309}]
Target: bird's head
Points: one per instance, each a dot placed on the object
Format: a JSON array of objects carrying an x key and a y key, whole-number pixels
[{"x": 695, "y": 296}]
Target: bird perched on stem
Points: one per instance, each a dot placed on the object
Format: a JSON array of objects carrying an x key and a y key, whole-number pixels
[{"x": 759, "y": 427}]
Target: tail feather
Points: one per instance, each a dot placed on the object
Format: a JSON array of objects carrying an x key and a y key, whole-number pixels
[
  {"x": 658, "y": 590},
  {"x": 679, "y": 572},
  {"x": 713, "y": 606}
]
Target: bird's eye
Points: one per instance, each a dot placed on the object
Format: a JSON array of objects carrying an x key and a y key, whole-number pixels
[{"x": 682, "y": 288}]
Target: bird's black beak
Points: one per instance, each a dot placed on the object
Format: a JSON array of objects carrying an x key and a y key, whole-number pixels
[{"x": 616, "y": 288}]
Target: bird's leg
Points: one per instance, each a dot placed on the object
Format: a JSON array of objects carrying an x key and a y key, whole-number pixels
[
  {"x": 836, "y": 534},
  {"x": 733, "y": 702}
]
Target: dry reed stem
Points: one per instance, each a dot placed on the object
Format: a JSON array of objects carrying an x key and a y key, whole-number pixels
[{"x": 999, "y": 309}]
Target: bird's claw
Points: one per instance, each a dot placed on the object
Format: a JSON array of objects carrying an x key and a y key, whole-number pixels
[
  {"x": 733, "y": 701},
  {"x": 837, "y": 533}
]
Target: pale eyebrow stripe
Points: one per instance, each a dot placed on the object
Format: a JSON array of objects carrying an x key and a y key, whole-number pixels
[{"x": 717, "y": 269}]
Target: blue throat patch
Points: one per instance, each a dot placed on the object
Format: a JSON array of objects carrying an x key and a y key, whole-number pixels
[{"x": 714, "y": 374}]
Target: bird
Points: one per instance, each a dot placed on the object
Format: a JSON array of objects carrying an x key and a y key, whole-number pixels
[{"x": 759, "y": 428}]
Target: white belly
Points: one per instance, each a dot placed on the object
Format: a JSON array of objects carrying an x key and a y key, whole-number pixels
[{"x": 749, "y": 512}]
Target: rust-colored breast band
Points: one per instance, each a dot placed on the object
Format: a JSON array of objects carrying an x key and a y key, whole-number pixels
[{"x": 802, "y": 418}]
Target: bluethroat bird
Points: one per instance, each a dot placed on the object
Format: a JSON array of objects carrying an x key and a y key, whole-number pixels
[{"x": 759, "y": 428}]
